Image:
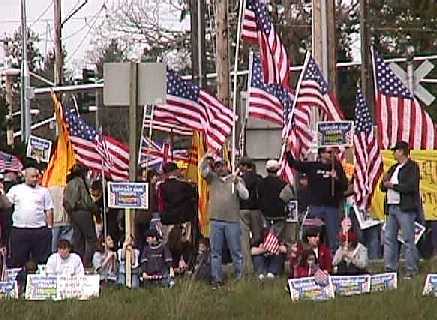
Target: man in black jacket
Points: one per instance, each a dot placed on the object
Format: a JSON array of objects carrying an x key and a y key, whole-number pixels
[
  {"x": 324, "y": 205},
  {"x": 401, "y": 205},
  {"x": 251, "y": 220}
]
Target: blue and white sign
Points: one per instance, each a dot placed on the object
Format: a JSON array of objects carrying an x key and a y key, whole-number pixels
[
  {"x": 39, "y": 149},
  {"x": 335, "y": 133},
  {"x": 128, "y": 195},
  {"x": 430, "y": 288},
  {"x": 351, "y": 285},
  {"x": 308, "y": 289},
  {"x": 383, "y": 281}
]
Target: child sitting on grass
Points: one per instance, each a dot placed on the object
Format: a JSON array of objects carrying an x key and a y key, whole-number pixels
[
  {"x": 202, "y": 266},
  {"x": 105, "y": 261},
  {"x": 308, "y": 265},
  {"x": 156, "y": 262},
  {"x": 128, "y": 246}
]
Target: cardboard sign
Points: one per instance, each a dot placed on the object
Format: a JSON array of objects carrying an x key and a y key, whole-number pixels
[
  {"x": 365, "y": 220},
  {"x": 430, "y": 288},
  {"x": 11, "y": 274},
  {"x": 128, "y": 195},
  {"x": 383, "y": 281},
  {"x": 39, "y": 149},
  {"x": 351, "y": 285},
  {"x": 81, "y": 287},
  {"x": 292, "y": 211},
  {"x": 8, "y": 290},
  {"x": 335, "y": 133},
  {"x": 41, "y": 287},
  {"x": 308, "y": 289}
]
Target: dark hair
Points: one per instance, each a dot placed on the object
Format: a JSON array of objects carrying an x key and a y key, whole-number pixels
[
  {"x": 246, "y": 161},
  {"x": 96, "y": 185},
  {"x": 305, "y": 254},
  {"x": 78, "y": 171},
  {"x": 64, "y": 244},
  {"x": 169, "y": 167}
]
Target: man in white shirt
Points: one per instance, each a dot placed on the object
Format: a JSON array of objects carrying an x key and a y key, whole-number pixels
[
  {"x": 31, "y": 219},
  {"x": 63, "y": 262}
]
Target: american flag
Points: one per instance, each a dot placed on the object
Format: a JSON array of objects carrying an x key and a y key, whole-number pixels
[
  {"x": 313, "y": 93},
  {"x": 89, "y": 148},
  {"x": 154, "y": 154},
  {"x": 189, "y": 106},
  {"x": 174, "y": 128},
  {"x": 258, "y": 27},
  {"x": 267, "y": 101},
  {"x": 9, "y": 162},
  {"x": 271, "y": 242},
  {"x": 321, "y": 278},
  {"x": 368, "y": 160},
  {"x": 398, "y": 115}
]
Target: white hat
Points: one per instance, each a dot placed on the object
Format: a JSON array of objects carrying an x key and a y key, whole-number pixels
[{"x": 272, "y": 165}]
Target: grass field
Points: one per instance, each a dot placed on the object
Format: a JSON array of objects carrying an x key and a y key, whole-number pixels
[{"x": 247, "y": 299}]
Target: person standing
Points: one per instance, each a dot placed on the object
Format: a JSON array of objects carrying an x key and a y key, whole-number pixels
[
  {"x": 225, "y": 192},
  {"x": 325, "y": 202},
  {"x": 401, "y": 206},
  {"x": 251, "y": 219},
  {"x": 79, "y": 205},
  {"x": 31, "y": 219}
]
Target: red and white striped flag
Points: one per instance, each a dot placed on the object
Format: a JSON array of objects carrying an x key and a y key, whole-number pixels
[
  {"x": 368, "y": 160},
  {"x": 271, "y": 243},
  {"x": 89, "y": 148},
  {"x": 191, "y": 107},
  {"x": 257, "y": 26},
  {"x": 399, "y": 116}
]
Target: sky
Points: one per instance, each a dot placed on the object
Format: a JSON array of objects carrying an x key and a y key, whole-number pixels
[{"x": 40, "y": 14}]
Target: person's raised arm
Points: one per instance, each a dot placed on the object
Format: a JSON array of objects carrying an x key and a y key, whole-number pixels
[
  {"x": 300, "y": 166},
  {"x": 243, "y": 193},
  {"x": 205, "y": 169}
]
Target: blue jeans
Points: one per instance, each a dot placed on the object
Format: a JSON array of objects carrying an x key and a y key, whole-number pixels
[
  {"x": 268, "y": 264},
  {"x": 61, "y": 232},
  {"x": 329, "y": 215},
  {"x": 220, "y": 232},
  {"x": 404, "y": 221},
  {"x": 370, "y": 237},
  {"x": 135, "y": 278}
]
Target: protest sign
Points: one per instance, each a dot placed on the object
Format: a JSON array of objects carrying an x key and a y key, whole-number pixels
[
  {"x": 292, "y": 211},
  {"x": 351, "y": 285},
  {"x": 418, "y": 232},
  {"x": 430, "y": 288},
  {"x": 335, "y": 133},
  {"x": 308, "y": 289},
  {"x": 383, "y": 281},
  {"x": 11, "y": 274},
  {"x": 427, "y": 161},
  {"x": 8, "y": 289},
  {"x": 39, "y": 149},
  {"x": 78, "y": 287},
  {"x": 128, "y": 195},
  {"x": 365, "y": 220},
  {"x": 41, "y": 287}
]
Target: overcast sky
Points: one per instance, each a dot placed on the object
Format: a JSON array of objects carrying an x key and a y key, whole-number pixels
[{"x": 40, "y": 19}]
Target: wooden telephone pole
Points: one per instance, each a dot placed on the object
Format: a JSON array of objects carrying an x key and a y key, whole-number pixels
[
  {"x": 366, "y": 63},
  {"x": 59, "y": 63},
  {"x": 222, "y": 55},
  {"x": 198, "y": 52}
]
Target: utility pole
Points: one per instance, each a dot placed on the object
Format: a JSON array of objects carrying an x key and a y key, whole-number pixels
[
  {"x": 9, "y": 94},
  {"x": 222, "y": 54},
  {"x": 59, "y": 63},
  {"x": 366, "y": 64},
  {"x": 198, "y": 53},
  {"x": 324, "y": 41},
  {"x": 25, "y": 80}
]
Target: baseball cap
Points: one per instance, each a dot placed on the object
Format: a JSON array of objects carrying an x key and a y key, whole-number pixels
[
  {"x": 401, "y": 145},
  {"x": 272, "y": 165}
]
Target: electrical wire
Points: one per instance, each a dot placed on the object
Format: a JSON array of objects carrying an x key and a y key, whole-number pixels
[{"x": 42, "y": 14}]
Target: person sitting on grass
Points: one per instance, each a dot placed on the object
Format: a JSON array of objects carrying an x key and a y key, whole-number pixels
[
  {"x": 321, "y": 251},
  {"x": 268, "y": 260},
  {"x": 156, "y": 262},
  {"x": 351, "y": 257},
  {"x": 308, "y": 265},
  {"x": 294, "y": 258},
  {"x": 128, "y": 246},
  {"x": 202, "y": 265},
  {"x": 64, "y": 262},
  {"x": 105, "y": 260}
]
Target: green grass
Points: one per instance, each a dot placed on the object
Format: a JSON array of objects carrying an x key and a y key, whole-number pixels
[{"x": 247, "y": 299}]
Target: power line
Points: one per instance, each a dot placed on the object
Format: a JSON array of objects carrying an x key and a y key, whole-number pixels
[{"x": 42, "y": 14}]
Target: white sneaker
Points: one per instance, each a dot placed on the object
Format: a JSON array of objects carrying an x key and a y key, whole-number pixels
[
  {"x": 270, "y": 275},
  {"x": 261, "y": 277}
]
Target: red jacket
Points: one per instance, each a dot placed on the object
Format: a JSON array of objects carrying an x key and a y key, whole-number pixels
[
  {"x": 304, "y": 271},
  {"x": 325, "y": 258}
]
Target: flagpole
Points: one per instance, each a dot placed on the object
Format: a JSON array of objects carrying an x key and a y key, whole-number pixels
[
  {"x": 234, "y": 99},
  {"x": 290, "y": 115},
  {"x": 105, "y": 219},
  {"x": 142, "y": 136},
  {"x": 150, "y": 133},
  {"x": 246, "y": 113}
]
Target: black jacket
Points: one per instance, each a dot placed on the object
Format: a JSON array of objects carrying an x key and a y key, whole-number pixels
[
  {"x": 408, "y": 186},
  {"x": 319, "y": 181},
  {"x": 269, "y": 202},
  {"x": 252, "y": 181}
]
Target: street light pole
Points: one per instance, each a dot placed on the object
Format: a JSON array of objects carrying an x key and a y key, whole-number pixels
[{"x": 25, "y": 81}]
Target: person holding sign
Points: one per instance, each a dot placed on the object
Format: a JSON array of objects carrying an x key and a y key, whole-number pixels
[
  {"x": 401, "y": 205},
  {"x": 64, "y": 262},
  {"x": 324, "y": 204}
]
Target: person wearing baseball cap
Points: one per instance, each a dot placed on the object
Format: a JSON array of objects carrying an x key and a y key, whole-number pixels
[{"x": 401, "y": 205}]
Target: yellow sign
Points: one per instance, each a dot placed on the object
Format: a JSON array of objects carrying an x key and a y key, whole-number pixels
[{"x": 427, "y": 160}]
